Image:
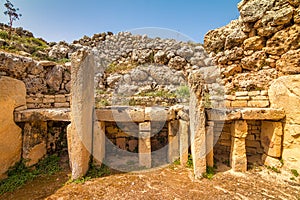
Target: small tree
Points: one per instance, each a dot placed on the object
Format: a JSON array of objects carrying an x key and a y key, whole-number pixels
[{"x": 12, "y": 13}]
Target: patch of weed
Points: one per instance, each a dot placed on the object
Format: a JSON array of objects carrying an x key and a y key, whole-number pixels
[{"x": 295, "y": 172}]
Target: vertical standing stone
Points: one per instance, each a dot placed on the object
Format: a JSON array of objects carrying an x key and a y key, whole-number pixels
[
  {"x": 34, "y": 141},
  {"x": 184, "y": 141},
  {"x": 197, "y": 123},
  {"x": 145, "y": 144},
  {"x": 12, "y": 95},
  {"x": 80, "y": 132},
  {"x": 99, "y": 142},
  {"x": 271, "y": 138},
  {"x": 238, "y": 158},
  {"x": 173, "y": 139},
  {"x": 210, "y": 144}
]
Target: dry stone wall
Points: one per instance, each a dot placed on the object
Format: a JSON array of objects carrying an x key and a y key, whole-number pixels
[
  {"x": 258, "y": 56},
  {"x": 47, "y": 83}
]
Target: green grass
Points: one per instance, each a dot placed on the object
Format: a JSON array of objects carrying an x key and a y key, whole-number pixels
[
  {"x": 177, "y": 162},
  {"x": 20, "y": 174},
  {"x": 94, "y": 172},
  {"x": 159, "y": 93},
  {"x": 210, "y": 172},
  {"x": 183, "y": 92},
  {"x": 274, "y": 169}
]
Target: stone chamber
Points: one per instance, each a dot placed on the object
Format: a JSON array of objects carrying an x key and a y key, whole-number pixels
[{"x": 233, "y": 100}]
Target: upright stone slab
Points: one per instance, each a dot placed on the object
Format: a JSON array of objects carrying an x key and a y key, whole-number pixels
[
  {"x": 173, "y": 141},
  {"x": 210, "y": 144},
  {"x": 34, "y": 141},
  {"x": 80, "y": 132},
  {"x": 145, "y": 144},
  {"x": 99, "y": 142},
  {"x": 184, "y": 141},
  {"x": 12, "y": 95},
  {"x": 197, "y": 124},
  {"x": 285, "y": 93},
  {"x": 271, "y": 138},
  {"x": 238, "y": 157}
]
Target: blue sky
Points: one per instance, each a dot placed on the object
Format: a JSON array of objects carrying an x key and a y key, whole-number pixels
[{"x": 68, "y": 20}]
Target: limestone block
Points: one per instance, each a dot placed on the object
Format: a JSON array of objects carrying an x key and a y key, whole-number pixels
[
  {"x": 99, "y": 142},
  {"x": 121, "y": 114},
  {"x": 259, "y": 104},
  {"x": 239, "y": 104},
  {"x": 156, "y": 114},
  {"x": 210, "y": 145},
  {"x": 12, "y": 95},
  {"x": 239, "y": 129},
  {"x": 80, "y": 132},
  {"x": 284, "y": 40},
  {"x": 79, "y": 156},
  {"x": 285, "y": 93},
  {"x": 184, "y": 141},
  {"x": 121, "y": 143},
  {"x": 270, "y": 161},
  {"x": 238, "y": 158},
  {"x": 35, "y": 154},
  {"x": 271, "y": 138},
  {"x": 53, "y": 114},
  {"x": 262, "y": 114},
  {"x": 173, "y": 139},
  {"x": 145, "y": 149},
  {"x": 289, "y": 62},
  {"x": 34, "y": 140},
  {"x": 198, "y": 136}
]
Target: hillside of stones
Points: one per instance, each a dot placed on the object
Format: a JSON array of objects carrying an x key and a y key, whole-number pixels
[{"x": 258, "y": 47}]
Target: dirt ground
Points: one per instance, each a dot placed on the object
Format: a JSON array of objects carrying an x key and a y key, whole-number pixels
[{"x": 170, "y": 182}]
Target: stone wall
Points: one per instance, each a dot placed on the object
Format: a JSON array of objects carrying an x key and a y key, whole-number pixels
[
  {"x": 258, "y": 55},
  {"x": 47, "y": 83},
  {"x": 138, "y": 67},
  {"x": 259, "y": 47}
]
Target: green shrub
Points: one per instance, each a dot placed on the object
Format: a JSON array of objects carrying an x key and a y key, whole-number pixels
[
  {"x": 4, "y": 35},
  {"x": 189, "y": 163}
]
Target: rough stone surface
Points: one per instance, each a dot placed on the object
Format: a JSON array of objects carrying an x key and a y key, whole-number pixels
[
  {"x": 285, "y": 93},
  {"x": 34, "y": 141},
  {"x": 80, "y": 131},
  {"x": 173, "y": 140},
  {"x": 53, "y": 114},
  {"x": 239, "y": 129},
  {"x": 145, "y": 144},
  {"x": 253, "y": 10},
  {"x": 284, "y": 40},
  {"x": 289, "y": 63},
  {"x": 271, "y": 138},
  {"x": 12, "y": 95},
  {"x": 184, "y": 141},
  {"x": 238, "y": 159},
  {"x": 270, "y": 161}
]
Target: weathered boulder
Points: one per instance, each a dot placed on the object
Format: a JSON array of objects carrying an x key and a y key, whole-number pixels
[
  {"x": 54, "y": 78},
  {"x": 254, "y": 62},
  {"x": 255, "y": 43},
  {"x": 285, "y": 93},
  {"x": 59, "y": 51},
  {"x": 289, "y": 63},
  {"x": 12, "y": 95},
  {"x": 254, "y": 10},
  {"x": 284, "y": 40}
]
